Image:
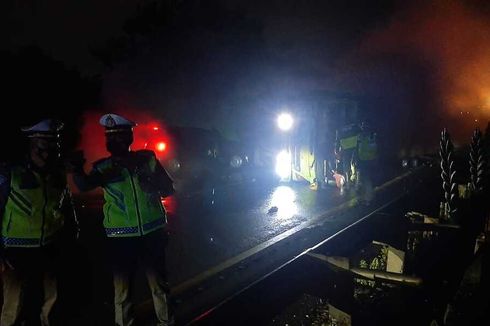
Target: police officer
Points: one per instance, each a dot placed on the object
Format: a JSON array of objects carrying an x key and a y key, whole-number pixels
[
  {"x": 134, "y": 217},
  {"x": 34, "y": 206},
  {"x": 347, "y": 139},
  {"x": 366, "y": 155}
]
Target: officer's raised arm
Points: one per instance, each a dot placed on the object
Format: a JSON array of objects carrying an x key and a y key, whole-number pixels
[
  {"x": 83, "y": 181},
  {"x": 165, "y": 181}
]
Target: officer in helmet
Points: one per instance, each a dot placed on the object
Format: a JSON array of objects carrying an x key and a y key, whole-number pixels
[
  {"x": 35, "y": 205},
  {"x": 134, "y": 182}
]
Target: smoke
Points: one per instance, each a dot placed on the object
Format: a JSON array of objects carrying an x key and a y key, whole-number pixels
[
  {"x": 433, "y": 59},
  {"x": 421, "y": 68}
]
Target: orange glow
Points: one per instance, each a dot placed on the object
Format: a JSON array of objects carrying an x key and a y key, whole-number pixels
[
  {"x": 161, "y": 146},
  {"x": 449, "y": 40}
]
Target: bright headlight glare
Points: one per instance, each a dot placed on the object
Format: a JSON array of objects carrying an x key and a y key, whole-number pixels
[
  {"x": 285, "y": 121},
  {"x": 283, "y": 164}
]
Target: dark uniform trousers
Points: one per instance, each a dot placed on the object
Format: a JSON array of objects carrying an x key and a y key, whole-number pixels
[
  {"x": 126, "y": 255},
  {"x": 366, "y": 171},
  {"x": 346, "y": 158},
  {"x": 30, "y": 265}
]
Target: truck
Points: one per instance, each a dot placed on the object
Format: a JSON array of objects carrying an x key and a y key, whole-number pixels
[{"x": 308, "y": 151}]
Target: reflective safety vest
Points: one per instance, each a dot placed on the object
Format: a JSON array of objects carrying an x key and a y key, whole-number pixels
[
  {"x": 32, "y": 215},
  {"x": 130, "y": 208},
  {"x": 368, "y": 148},
  {"x": 348, "y": 137},
  {"x": 306, "y": 166},
  {"x": 349, "y": 142}
]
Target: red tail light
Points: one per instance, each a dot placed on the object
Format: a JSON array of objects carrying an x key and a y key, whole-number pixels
[{"x": 161, "y": 146}]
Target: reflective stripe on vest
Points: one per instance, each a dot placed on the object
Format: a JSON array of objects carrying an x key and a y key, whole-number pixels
[
  {"x": 20, "y": 242},
  {"x": 150, "y": 226},
  {"x": 32, "y": 215},
  {"x": 128, "y": 209},
  {"x": 120, "y": 231}
]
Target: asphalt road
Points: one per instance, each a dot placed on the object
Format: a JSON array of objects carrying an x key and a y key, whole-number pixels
[{"x": 210, "y": 229}]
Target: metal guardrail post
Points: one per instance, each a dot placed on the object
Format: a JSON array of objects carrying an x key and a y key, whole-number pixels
[{"x": 342, "y": 263}]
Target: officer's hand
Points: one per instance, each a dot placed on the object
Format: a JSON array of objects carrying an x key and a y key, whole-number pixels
[{"x": 75, "y": 161}]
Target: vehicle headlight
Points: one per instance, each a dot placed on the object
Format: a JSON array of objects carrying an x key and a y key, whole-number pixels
[
  {"x": 236, "y": 161},
  {"x": 283, "y": 164}
]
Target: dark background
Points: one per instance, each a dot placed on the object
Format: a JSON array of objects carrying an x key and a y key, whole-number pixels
[{"x": 416, "y": 66}]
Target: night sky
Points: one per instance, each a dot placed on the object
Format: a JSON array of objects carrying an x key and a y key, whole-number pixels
[{"x": 414, "y": 66}]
